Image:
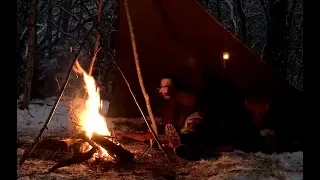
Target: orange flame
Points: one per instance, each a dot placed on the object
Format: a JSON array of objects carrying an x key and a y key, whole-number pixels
[{"x": 91, "y": 119}]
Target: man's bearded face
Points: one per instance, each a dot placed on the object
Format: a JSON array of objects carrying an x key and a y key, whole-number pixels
[{"x": 165, "y": 89}]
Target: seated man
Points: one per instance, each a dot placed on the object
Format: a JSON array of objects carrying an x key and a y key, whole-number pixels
[
  {"x": 184, "y": 122},
  {"x": 181, "y": 109},
  {"x": 182, "y": 117}
]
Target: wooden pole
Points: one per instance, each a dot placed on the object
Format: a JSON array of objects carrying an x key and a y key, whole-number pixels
[
  {"x": 137, "y": 63},
  {"x": 156, "y": 137}
]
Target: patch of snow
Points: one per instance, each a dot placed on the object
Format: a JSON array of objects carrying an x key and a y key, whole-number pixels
[
  {"x": 29, "y": 122},
  {"x": 105, "y": 107},
  {"x": 292, "y": 175},
  {"x": 292, "y": 161},
  {"x": 20, "y": 152},
  {"x": 241, "y": 178},
  {"x": 238, "y": 165}
]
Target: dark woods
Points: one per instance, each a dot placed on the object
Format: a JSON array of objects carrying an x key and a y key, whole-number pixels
[{"x": 58, "y": 29}]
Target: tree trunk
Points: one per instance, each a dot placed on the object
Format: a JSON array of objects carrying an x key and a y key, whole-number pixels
[
  {"x": 276, "y": 33},
  {"x": 49, "y": 30},
  {"x": 50, "y": 87},
  {"x": 65, "y": 17},
  {"x": 64, "y": 59},
  {"x": 265, "y": 10},
  {"x": 242, "y": 15},
  {"x": 219, "y": 9},
  {"x": 288, "y": 28},
  {"x": 96, "y": 46},
  {"x": 31, "y": 52}
]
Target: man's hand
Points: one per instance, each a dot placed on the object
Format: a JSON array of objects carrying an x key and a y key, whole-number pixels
[
  {"x": 190, "y": 125},
  {"x": 267, "y": 132}
]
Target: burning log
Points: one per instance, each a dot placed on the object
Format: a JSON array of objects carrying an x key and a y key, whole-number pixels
[
  {"x": 94, "y": 144},
  {"x": 119, "y": 152},
  {"x": 65, "y": 145},
  {"x": 79, "y": 158},
  {"x": 98, "y": 143}
]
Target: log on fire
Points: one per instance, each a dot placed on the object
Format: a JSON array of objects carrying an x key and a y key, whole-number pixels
[
  {"x": 97, "y": 142},
  {"x": 79, "y": 158},
  {"x": 122, "y": 154},
  {"x": 59, "y": 149},
  {"x": 66, "y": 145}
]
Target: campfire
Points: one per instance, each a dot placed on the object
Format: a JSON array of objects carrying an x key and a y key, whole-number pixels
[
  {"x": 95, "y": 132},
  {"x": 91, "y": 120}
]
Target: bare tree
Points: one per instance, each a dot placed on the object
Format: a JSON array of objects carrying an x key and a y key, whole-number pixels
[
  {"x": 276, "y": 33},
  {"x": 242, "y": 20},
  {"x": 96, "y": 46},
  {"x": 218, "y": 9},
  {"x": 232, "y": 16},
  {"x": 60, "y": 25},
  {"x": 31, "y": 52},
  {"x": 49, "y": 30}
]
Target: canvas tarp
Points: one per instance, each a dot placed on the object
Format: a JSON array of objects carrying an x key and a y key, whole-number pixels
[{"x": 181, "y": 37}]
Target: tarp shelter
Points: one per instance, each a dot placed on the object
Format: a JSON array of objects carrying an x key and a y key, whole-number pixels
[{"x": 181, "y": 37}]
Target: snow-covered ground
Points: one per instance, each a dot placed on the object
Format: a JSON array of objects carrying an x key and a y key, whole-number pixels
[
  {"x": 235, "y": 165},
  {"x": 29, "y": 122}
]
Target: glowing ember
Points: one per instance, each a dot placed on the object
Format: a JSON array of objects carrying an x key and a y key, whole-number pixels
[{"x": 91, "y": 119}]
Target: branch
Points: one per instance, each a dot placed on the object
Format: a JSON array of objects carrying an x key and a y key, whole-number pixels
[
  {"x": 42, "y": 15},
  {"x": 256, "y": 40},
  {"x": 96, "y": 47},
  {"x": 263, "y": 50},
  {"x": 261, "y": 24},
  {"x": 137, "y": 63},
  {"x": 108, "y": 50},
  {"x": 253, "y": 15},
  {"x": 290, "y": 16},
  {"x": 156, "y": 137},
  {"x": 60, "y": 30},
  {"x": 80, "y": 24},
  {"x": 23, "y": 33},
  {"x": 265, "y": 9},
  {"x": 65, "y": 10},
  {"x": 234, "y": 22},
  {"x": 74, "y": 16},
  {"x": 294, "y": 74}
]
